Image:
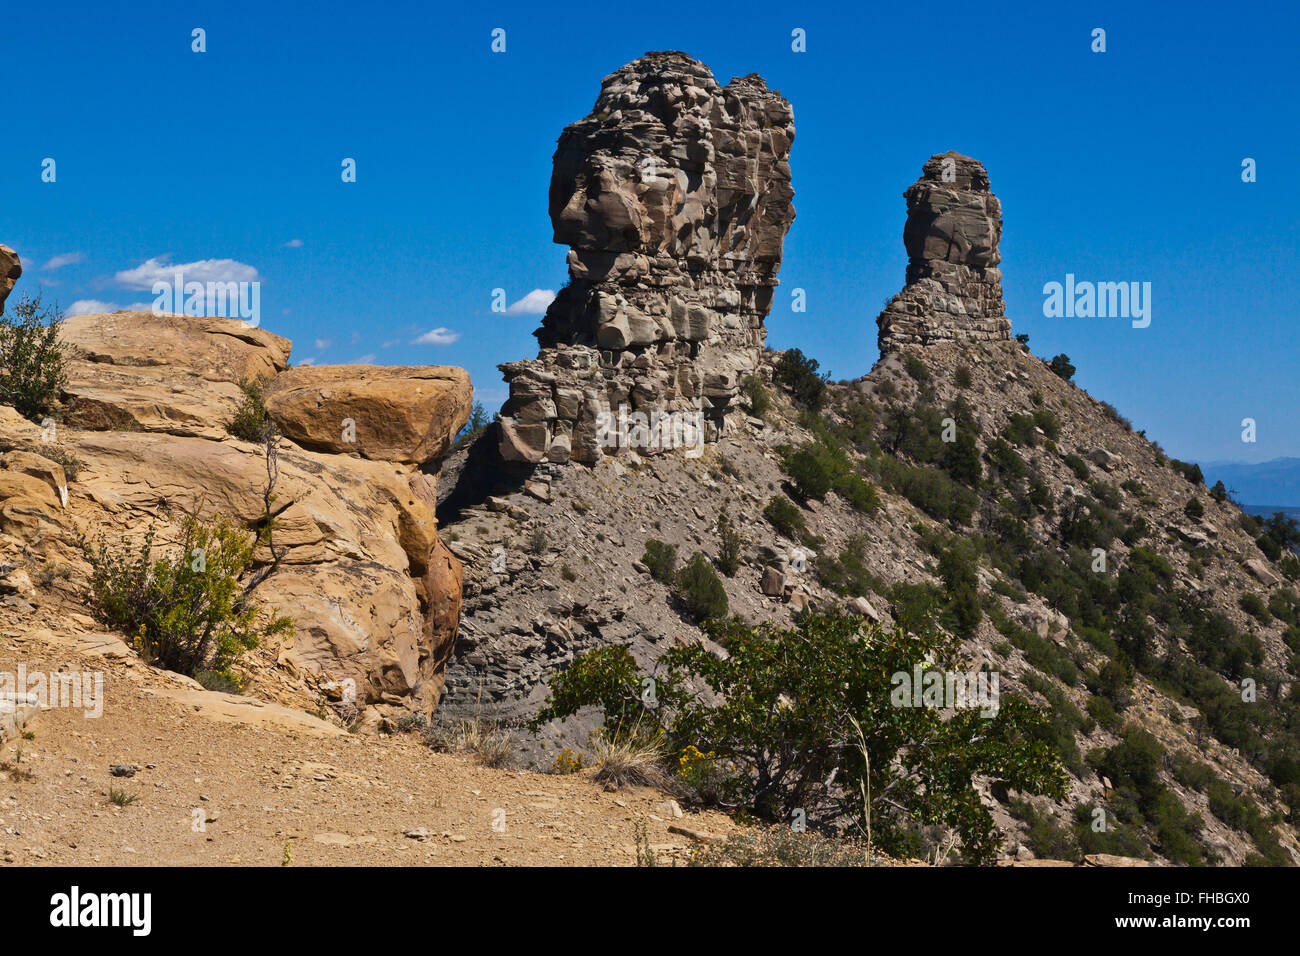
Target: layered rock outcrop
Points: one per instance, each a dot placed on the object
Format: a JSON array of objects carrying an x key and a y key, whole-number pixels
[
  {"x": 674, "y": 195},
  {"x": 374, "y": 594},
  {"x": 954, "y": 285},
  {"x": 10, "y": 269},
  {"x": 405, "y": 414}
]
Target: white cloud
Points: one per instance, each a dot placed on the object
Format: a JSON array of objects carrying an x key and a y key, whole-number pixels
[
  {"x": 307, "y": 361},
  {"x": 438, "y": 336},
  {"x": 367, "y": 359},
  {"x": 91, "y": 307},
  {"x": 534, "y": 303},
  {"x": 66, "y": 259},
  {"x": 159, "y": 269},
  {"x": 323, "y": 344},
  {"x": 293, "y": 244}
]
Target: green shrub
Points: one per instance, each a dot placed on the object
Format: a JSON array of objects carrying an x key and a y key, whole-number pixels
[
  {"x": 1060, "y": 364},
  {"x": 1046, "y": 420},
  {"x": 760, "y": 403},
  {"x": 1219, "y": 492},
  {"x": 785, "y": 516},
  {"x": 1078, "y": 466},
  {"x": 962, "y": 376},
  {"x": 252, "y": 422},
  {"x": 962, "y": 459},
  {"x": 809, "y": 472},
  {"x": 1189, "y": 471},
  {"x": 661, "y": 559},
  {"x": 476, "y": 424},
  {"x": 914, "y": 367},
  {"x": 787, "y": 707},
  {"x": 798, "y": 374},
  {"x": 730, "y": 544},
  {"x": 187, "y": 613},
  {"x": 1021, "y": 430},
  {"x": 31, "y": 358},
  {"x": 1102, "y": 711},
  {"x": 700, "y": 589},
  {"x": 1254, "y": 605},
  {"x": 1194, "y": 509}
]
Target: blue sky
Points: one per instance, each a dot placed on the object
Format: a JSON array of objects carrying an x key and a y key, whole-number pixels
[{"x": 1118, "y": 166}]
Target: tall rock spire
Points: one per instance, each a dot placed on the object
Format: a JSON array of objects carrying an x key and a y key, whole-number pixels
[{"x": 674, "y": 197}]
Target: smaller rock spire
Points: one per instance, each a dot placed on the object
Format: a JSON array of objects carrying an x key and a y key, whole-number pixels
[{"x": 954, "y": 285}]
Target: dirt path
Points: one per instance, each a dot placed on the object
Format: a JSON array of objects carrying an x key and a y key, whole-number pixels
[{"x": 227, "y": 781}]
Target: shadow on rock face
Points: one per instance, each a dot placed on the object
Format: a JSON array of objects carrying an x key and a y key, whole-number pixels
[{"x": 475, "y": 473}]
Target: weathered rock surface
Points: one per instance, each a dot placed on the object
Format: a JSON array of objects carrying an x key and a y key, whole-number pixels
[
  {"x": 674, "y": 195},
  {"x": 10, "y": 269},
  {"x": 954, "y": 285},
  {"x": 163, "y": 373},
  {"x": 405, "y": 414},
  {"x": 355, "y": 558}
]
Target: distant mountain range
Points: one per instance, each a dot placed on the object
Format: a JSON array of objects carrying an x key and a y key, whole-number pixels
[{"x": 1274, "y": 485}]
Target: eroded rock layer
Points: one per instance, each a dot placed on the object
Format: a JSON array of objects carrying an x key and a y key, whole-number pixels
[
  {"x": 954, "y": 285},
  {"x": 354, "y": 555},
  {"x": 674, "y": 195}
]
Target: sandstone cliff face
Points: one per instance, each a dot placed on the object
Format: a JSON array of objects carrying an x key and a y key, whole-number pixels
[
  {"x": 10, "y": 269},
  {"x": 954, "y": 286},
  {"x": 674, "y": 195},
  {"x": 374, "y": 594}
]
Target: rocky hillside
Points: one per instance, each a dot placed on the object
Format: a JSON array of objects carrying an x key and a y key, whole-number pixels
[{"x": 961, "y": 483}]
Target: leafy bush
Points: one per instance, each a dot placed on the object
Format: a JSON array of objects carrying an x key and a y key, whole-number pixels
[
  {"x": 661, "y": 559},
  {"x": 1194, "y": 509},
  {"x": 1021, "y": 430},
  {"x": 787, "y": 707},
  {"x": 252, "y": 422},
  {"x": 1060, "y": 364},
  {"x": 1045, "y": 419},
  {"x": 962, "y": 376},
  {"x": 760, "y": 403},
  {"x": 914, "y": 367},
  {"x": 1254, "y": 605},
  {"x": 1078, "y": 466},
  {"x": 187, "y": 613},
  {"x": 798, "y": 374},
  {"x": 1189, "y": 471},
  {"x": 700, "y": 589},
  {"x": 1219, "y": 492},
  {"x": 784, "y": 515},
  {"x": 31, "y": 358},
  {"x": 809, "y": 472},
  {"x": 961, "y": 460},
  {"x": 729, "y": 544}
]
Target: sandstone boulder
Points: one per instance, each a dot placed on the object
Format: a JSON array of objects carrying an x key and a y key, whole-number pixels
[
  {"x": 10, "y": 269},
  {"x": 406, "y": 414},
  {"x": 163, "y": 373}
]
